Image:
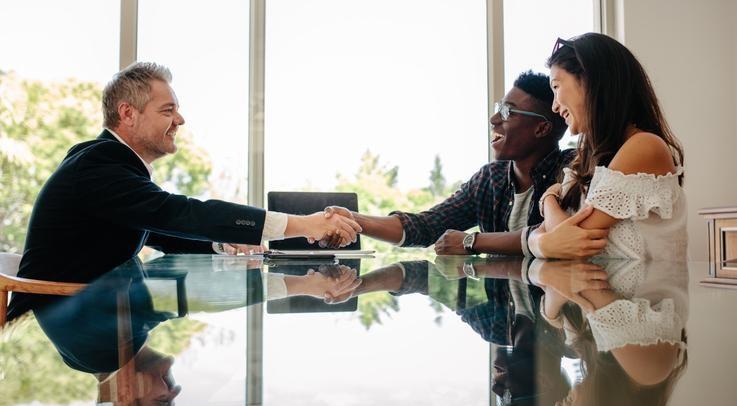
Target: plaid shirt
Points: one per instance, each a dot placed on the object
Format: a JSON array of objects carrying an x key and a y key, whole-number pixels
[{"x": 485, "y": 200}]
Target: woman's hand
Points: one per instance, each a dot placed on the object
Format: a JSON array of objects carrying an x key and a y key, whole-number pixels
[
  {"x": 568, "y": 240},
  {"x": 569, "y": 279}
]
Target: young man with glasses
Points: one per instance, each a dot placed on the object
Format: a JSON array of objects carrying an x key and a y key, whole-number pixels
[{"x": 502, "y": 197}]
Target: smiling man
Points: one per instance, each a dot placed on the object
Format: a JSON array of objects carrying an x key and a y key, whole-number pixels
[
  {"x": 100, "y": 206},
  {"x": 502, "y": 197}
]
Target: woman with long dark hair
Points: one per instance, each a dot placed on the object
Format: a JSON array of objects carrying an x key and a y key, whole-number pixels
[{"x": 629, "y": 165}]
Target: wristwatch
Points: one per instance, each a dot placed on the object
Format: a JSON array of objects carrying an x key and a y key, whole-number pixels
[
  {"x": 470, "y": 271},
  {"x": 468, "y": 242}
]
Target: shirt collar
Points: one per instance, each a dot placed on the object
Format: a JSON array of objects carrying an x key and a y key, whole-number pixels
[
  {"x": 148, "y": 166},
  {"x": 547, "y": 165},
  {"x": 541, "y": 169}
]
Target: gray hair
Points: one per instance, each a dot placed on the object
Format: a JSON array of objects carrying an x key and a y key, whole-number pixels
[{"x": 131, "y": 85}]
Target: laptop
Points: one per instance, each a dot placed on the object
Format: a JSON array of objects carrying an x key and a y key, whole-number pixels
[{"x": 308, "y": 203}]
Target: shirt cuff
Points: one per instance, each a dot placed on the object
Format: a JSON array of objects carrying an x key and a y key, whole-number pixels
[
  {"x": 534, "y": 269},
  {"x": 523, "y": 241},
  {"x": 401, "y": 242},
  {"x": 217, "y": 247},
  {"x": 524, "y": 272},
  {"x": 276, "y": 288},
  {"x": 404, "y": 271},
  {"x": 275, "y": 225}
]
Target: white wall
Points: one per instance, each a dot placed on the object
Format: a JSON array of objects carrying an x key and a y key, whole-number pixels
[{"x": 689, "y": 49}]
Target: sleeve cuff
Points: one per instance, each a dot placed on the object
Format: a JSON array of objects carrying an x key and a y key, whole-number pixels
[
  {"x": 523, "y": 242},
  {"x": 401, "y": 242},
  {"x": 524, "y": 272},
  {"x": 276, "y": 288},
  {"x": 275, "y": 225}
]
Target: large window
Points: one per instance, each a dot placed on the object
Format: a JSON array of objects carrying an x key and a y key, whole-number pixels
[
  {"x": 530, "y": 30},
  {"x": 387, "y": 98},
  {"x": 383, "y": 97},
  {"x": 206, "y": 48},
  {"x": 55, "y": 58}
]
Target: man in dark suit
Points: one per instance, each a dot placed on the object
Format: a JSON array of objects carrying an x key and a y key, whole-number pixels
[{"x": 100, "y": 206}]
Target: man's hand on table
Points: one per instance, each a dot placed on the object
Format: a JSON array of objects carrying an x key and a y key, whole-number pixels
[{"x": 451, "y": 243}]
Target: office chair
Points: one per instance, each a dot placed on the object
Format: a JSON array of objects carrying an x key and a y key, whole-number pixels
[{"x": 10, "y": 282}]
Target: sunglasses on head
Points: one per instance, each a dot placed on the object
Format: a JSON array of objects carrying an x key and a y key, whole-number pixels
[{"x": 559, "y": 43}]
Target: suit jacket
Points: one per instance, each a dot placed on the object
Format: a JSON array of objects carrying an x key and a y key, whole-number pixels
[{"x": 100, "y": 207}]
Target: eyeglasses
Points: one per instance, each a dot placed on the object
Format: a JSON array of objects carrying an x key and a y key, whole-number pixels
[
  {"x": 559, "y": 43},
  {"x": 504, "y": 109}
]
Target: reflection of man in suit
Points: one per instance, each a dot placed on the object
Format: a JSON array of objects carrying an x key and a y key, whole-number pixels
[
  {"x": 104, "y": 329},
  {"x": 100, "y": 207}
]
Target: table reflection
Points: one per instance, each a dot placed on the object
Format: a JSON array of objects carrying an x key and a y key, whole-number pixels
[
  {"x": 558, "y": 332},
  {"x": 625, "y": 320}
]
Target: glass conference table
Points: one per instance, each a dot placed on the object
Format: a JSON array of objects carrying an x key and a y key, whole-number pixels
[{"x": 418, "y": 330}]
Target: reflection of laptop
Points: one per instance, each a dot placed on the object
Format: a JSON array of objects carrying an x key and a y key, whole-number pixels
[
  {"x": 308, "y": 304},
  {"x": 308, "y": 203}
]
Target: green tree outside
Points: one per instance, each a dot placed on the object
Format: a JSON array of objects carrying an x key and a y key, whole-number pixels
[{"x": 39, "y": 122}]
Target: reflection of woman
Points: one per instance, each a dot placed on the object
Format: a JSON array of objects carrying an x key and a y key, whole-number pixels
[
  {"x": 628, "y": 164},
  {"x": 632, "y": 345}
]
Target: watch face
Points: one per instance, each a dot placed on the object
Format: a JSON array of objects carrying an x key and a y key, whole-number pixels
[{"x": 468, "y": 241}]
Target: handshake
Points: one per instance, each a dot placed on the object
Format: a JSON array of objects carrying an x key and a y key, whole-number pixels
[
  {"x": 347, "y": 228},
  {"x": 333, "y": 228}
]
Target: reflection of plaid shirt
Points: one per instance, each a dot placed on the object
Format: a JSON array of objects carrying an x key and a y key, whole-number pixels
[{"x": 485, "y": 200}]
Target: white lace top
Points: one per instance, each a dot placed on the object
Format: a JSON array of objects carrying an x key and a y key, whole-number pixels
[
  {"x": 653, "y": 307},
  {"x": 651, "y": 209}
]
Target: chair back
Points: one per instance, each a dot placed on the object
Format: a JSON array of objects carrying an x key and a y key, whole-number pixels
[
  {"x": 308, "y": 203},
  {"x": 10, "y": 282}
]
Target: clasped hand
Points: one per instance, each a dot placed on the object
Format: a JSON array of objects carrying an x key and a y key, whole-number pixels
[
  {"x": 567, "y": 279},
  {"x": 331, "y": 281},
  {"x": 332, "y": 230},
  {"x": 335, "y": 240}
]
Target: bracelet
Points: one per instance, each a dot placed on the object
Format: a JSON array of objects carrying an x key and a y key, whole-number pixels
[
  {"x": 524, "y": 243},
  {"x": 541, "y": 202}
]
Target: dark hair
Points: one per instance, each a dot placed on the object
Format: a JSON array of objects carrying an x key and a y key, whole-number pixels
[
  {"x": 537, "y": 85},
  {"x": 618, "y": 94}
]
